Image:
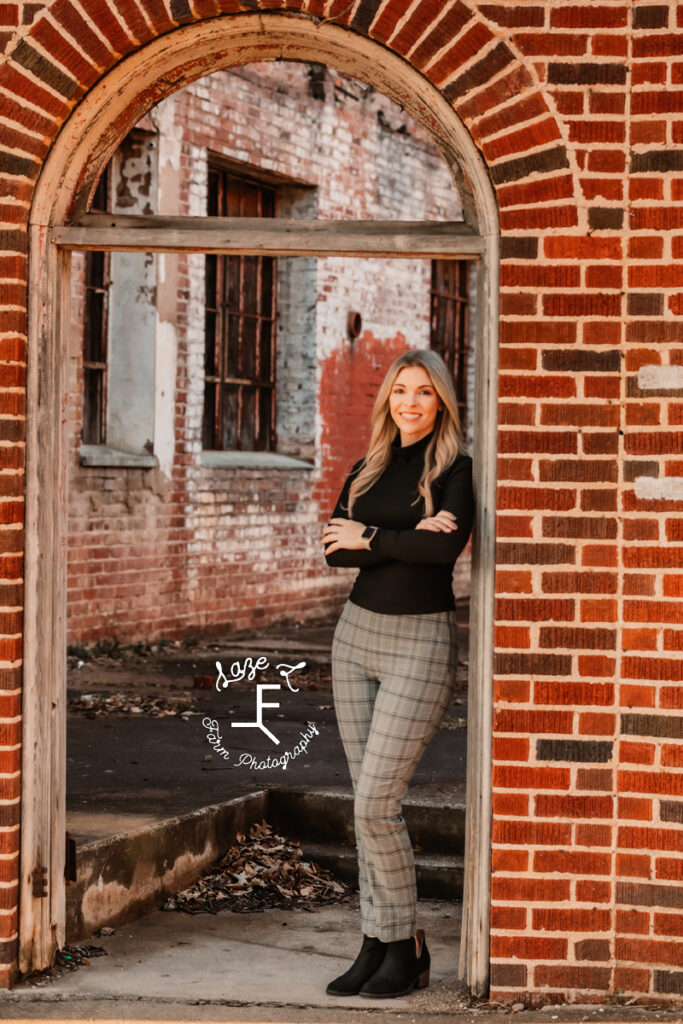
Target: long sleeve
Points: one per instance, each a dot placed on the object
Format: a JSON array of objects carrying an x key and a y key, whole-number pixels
[
  {"x": 407, "y": 571},
  {"x": 429, "y": 546},
  {"x": 345, "y": 557}
]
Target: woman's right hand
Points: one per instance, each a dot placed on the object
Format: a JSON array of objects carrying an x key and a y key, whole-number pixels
[{"x": 443, "y": 521}]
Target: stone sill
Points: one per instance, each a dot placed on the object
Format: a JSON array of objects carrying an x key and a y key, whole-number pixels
[
  {"x": 103, "y": 455},
  {"x": 252, "y": 460}
]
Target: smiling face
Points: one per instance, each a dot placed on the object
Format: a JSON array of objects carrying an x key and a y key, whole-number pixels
[{"x": 413, "y": 403}]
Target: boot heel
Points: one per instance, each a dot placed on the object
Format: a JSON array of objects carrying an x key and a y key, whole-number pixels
[{"x": 423, "y": 980}]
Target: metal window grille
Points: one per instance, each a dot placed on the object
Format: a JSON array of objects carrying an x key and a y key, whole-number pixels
[
  {"x": 449, "y": 324},
  {"x": 95, "y": 322},
  {"x": 239, "y": 391}
]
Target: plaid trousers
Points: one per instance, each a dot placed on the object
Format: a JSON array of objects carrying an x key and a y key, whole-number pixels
[{"x": 392, "y": 680}]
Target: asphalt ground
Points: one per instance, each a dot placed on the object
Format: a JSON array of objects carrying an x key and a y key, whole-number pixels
[{"x": 159, "y": 758}]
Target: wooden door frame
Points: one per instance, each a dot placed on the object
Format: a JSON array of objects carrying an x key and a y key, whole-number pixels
[{"x": 69, "y": 174}]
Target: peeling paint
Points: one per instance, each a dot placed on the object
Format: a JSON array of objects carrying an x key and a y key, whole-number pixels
[
  {"x": 132, "y": 317},
  {"x": 665, "y": 488},
  {"x": 653, "y": 377},
  {"x": 136, "y": 178}
]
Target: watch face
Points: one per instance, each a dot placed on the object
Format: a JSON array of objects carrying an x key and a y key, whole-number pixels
[{"x": 368, "y": 531}]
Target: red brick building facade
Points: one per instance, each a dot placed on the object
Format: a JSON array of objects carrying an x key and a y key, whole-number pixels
[{"x": 575, "y": 108}]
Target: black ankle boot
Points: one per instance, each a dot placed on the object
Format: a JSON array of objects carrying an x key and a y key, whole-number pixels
[
  {"x": 405, "y": 966},
  {"x": 366, "y": 963}
]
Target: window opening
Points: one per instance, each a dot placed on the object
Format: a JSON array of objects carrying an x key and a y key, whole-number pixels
[
  {"x": 449, "y": 325},
  {"x": 239, "y": 391},
  {"x": 95, "y": 326}
]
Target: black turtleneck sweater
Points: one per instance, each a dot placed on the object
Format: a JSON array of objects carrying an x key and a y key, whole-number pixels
[{"x": 407, "y": 571}]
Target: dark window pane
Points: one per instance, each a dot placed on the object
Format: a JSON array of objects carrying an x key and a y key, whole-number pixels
[
  {"x": 210, "y": 280},
  {"x": 231, "y": 366},
  {"x": 214, "y": 194},
  {"x": 233, "y": 279},
  {"x": 248, "y": 424},
  {"x": 250, "y": 200},
  {"x": 267, "y": 279},
  {"x": 451, "y": 339},
  {"x": 233, "y": 198},
  {"x": 93, "y": 339},
  {"x": 264, "y": 419},
  {"x": 267, "y": 202},
  {"x": 439, "y": 328},
  {"x": 209, "y": 423},
  {"x": 265, "y": 354},
  {"x": 92, "y": 392},
  {"x": 211, "y": 363},
  {"x": 249, "y": 336},
  {"x": 95, "y": 299},
  {"x": 94, "y": 269},
  {"x": 229, "y": 416},
  {"x": 449, "y": 323},
  {"x": 251, "y": 284}
]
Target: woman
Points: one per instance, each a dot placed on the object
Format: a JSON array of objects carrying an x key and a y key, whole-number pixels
[{"x": 403, "y": 517}]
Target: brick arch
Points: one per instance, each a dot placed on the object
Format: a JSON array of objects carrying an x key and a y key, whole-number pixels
[
  {"x": 69, "y": 171},
  {"x": 469, "y": 53}
]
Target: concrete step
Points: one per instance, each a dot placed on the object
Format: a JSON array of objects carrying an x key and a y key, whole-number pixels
[
  {"x": 434, "y": 823},
  {"x": 439, "y": 876},
  {"x": 134, "y": 870}
]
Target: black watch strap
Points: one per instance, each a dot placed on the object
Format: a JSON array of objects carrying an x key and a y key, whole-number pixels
[{"x": 370, "y": 532}]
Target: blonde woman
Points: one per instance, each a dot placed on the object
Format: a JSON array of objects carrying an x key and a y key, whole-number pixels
[{"x": 403, "y": 517}]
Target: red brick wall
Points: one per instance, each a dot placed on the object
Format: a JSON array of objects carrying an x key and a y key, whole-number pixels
[{"x": 576, "y": 109}]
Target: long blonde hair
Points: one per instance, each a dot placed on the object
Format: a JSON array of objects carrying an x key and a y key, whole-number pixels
[{"x": 445, "y": 444}]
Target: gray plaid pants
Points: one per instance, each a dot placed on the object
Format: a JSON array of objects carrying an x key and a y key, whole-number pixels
[{"x": 392, "y": 681}]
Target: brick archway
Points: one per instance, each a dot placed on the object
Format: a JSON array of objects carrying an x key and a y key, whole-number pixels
[
  {"x": 69, "y": 173},
  {"x": 458, "y": 51},
  {"x": 88, "y": 73}
]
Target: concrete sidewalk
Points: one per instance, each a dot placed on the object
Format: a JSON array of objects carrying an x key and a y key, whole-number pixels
[
  {"x": 265, "y": 967},
  {"x": 204, "y": 965}
]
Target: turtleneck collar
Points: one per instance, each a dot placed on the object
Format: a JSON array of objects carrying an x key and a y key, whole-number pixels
[{"x": 410, "y": 451}]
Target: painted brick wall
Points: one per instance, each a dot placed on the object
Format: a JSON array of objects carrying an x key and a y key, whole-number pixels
[
  {"x": 576, "y": 108},
  {"x": 185, "y": 546}
]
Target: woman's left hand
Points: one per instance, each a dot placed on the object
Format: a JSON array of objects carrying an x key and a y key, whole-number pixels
[
  {"x": 442, "y": 521},
  {"x": 344, "y": 533}
]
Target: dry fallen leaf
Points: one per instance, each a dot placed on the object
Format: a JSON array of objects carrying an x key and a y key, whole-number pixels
[{"x": 265, "y": 870}]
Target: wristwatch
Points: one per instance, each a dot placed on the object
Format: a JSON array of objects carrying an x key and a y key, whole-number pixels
[{"x": 369, "y": 532}]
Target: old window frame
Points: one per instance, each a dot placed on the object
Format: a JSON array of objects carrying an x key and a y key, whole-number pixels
[
  {"x": 230, "y": 309},
  {"x": 94, "y": 406},
  {"x": 453, "y": 341}
]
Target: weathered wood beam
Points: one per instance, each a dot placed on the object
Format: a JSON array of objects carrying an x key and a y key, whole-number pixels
[{"x": 274, "y": 236}]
